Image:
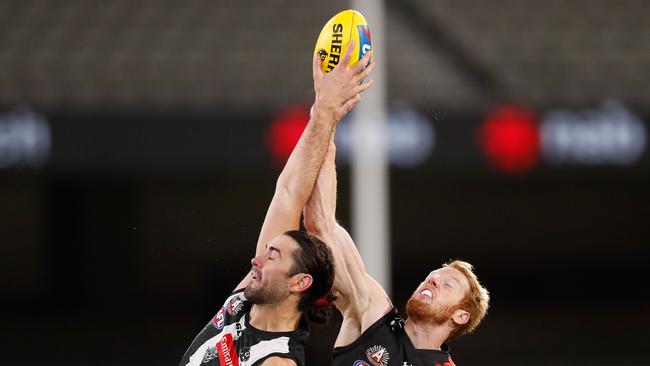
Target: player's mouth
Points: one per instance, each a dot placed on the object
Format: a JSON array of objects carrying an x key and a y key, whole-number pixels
[
  {"x": 255, "y": 275},
  {"x": 426, "y": 293}
]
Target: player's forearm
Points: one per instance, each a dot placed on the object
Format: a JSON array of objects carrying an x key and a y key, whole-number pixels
[
  {"x": 318, "y": 223},
  {"x": 344, "y": 243},
  {"x": 319, "y": 214},
  {"x": 320, "y": 210},
  {"x": 300, "y": 173}
]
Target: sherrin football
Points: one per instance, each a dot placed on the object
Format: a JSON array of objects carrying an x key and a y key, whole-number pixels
[{"x": 336, "y": 35}]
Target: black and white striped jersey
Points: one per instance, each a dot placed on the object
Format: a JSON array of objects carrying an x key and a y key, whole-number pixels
[{"x": 229, "y": 340}]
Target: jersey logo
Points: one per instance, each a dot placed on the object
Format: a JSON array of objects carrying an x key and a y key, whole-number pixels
[
  {"x": 218, "y": 321},
  {"x": 227, "y": 351},
  {"x": 360, "y": 363},
  {"x": 245, "y": 354},
  {"x": 210, "y": 354},
  {"x": 377, "y": 355},
  {"x": 234, "y": 306},
  {"x": 396, "y": 323}
]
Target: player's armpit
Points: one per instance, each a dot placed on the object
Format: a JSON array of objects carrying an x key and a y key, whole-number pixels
[{"x": 279, "y": 361}]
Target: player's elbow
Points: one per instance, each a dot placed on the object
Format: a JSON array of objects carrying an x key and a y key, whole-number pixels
[{"x": 285, "y": 191}]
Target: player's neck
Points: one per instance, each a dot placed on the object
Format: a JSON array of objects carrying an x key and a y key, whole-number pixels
[
  {"x": 426, "y": 336},
  {"x": 275, "y": 317}
]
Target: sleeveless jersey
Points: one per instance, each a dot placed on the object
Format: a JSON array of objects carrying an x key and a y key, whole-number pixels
[
  {"x": 386, "y": 343},
  {"x": 229, "y": 339}
]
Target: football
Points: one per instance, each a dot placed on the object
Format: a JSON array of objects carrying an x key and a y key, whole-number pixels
[{"x": 336, "y": 35}]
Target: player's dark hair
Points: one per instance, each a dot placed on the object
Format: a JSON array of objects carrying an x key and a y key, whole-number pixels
[{"x": 314, "y": 258}]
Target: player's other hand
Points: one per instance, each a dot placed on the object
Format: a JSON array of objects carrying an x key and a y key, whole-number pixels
[{"x": 338, "y": 91}]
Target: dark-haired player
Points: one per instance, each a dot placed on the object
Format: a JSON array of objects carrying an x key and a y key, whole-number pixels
[
  {"x": 449, "y": 303},
  {"x": 262, "y": 321}
]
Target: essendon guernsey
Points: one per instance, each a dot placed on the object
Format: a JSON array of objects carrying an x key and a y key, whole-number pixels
[{"x": 386, "y": 343}]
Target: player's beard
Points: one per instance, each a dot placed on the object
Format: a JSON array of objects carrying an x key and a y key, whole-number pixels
[
  {"x": 273, "y": 292},
  {"x": 423, "y": 313}
]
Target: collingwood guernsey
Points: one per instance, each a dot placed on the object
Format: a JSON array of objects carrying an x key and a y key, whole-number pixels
[{"x": 229, "y": 339}]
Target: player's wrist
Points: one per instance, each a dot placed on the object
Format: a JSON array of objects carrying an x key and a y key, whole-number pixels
[{"x": 322, "y": 112}]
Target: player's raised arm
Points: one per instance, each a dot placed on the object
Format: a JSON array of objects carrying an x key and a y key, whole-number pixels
[
  {"x": 337, "y": 92},
  {"x": 361, "y": 300}
]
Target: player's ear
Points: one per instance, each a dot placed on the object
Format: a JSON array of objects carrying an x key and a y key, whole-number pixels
[
  {"x": 300, "y": 282},
  {"x": 460, "y": 317}
]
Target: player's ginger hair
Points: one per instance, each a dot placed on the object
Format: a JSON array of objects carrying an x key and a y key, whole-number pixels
[{"x": 475, "y": 302}]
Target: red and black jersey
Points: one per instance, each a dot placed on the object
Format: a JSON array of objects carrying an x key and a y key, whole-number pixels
[
  {"x": 230, "y": 340},
  {"x": 386, "y": 343}
]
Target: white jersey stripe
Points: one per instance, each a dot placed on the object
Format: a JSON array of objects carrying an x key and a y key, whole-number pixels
[{"x": 265, "y": 348}]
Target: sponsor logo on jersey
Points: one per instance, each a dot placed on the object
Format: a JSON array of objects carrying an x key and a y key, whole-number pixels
[
  {"x": 377, "y": 355},
  {"x": 360, "y": 363},
  {"x": 218, "y": 321},
  {"x": 234, "y": 305},
  {"x": 227, "y": 351},
  {"x": 364, "y": 39}
]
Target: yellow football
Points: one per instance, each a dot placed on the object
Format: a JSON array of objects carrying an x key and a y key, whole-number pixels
[{"x": 336, "y": 35}]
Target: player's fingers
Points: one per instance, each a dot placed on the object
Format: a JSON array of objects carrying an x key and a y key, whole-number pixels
[
  {"x": 358, "y": 88},
  {"x": 363, "y": 87},
  {"x": 359, "y": 66},
  {"x": 316, "y": 66},
  {"x": 347, "y": 56},
  {"x": 364, "y": 74},
  {"x": 350, "y": 104}
]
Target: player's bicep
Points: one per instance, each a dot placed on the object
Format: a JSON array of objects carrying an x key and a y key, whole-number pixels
[
  {"x": 283, "y": 215},
  {"x": 361, "y": 296}
]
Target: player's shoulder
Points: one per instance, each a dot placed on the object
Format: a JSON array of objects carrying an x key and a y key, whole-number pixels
[
  {"x": 279, "y": 361},
  {"x": 386, "y": 328},
  {"x": 236, "y": 296}
]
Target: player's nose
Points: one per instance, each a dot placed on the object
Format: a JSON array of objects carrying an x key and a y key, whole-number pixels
[{"x": 255, "y": 262}]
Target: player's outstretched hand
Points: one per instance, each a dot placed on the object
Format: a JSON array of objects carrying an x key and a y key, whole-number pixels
[{"x": 338, "y": 91}]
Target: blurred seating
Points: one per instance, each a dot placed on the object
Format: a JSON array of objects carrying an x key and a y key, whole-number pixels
[{"x": 243, "y": 54}]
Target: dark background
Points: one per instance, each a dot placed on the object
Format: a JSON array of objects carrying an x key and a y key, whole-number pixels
[{"x": 125, "y": 241}]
